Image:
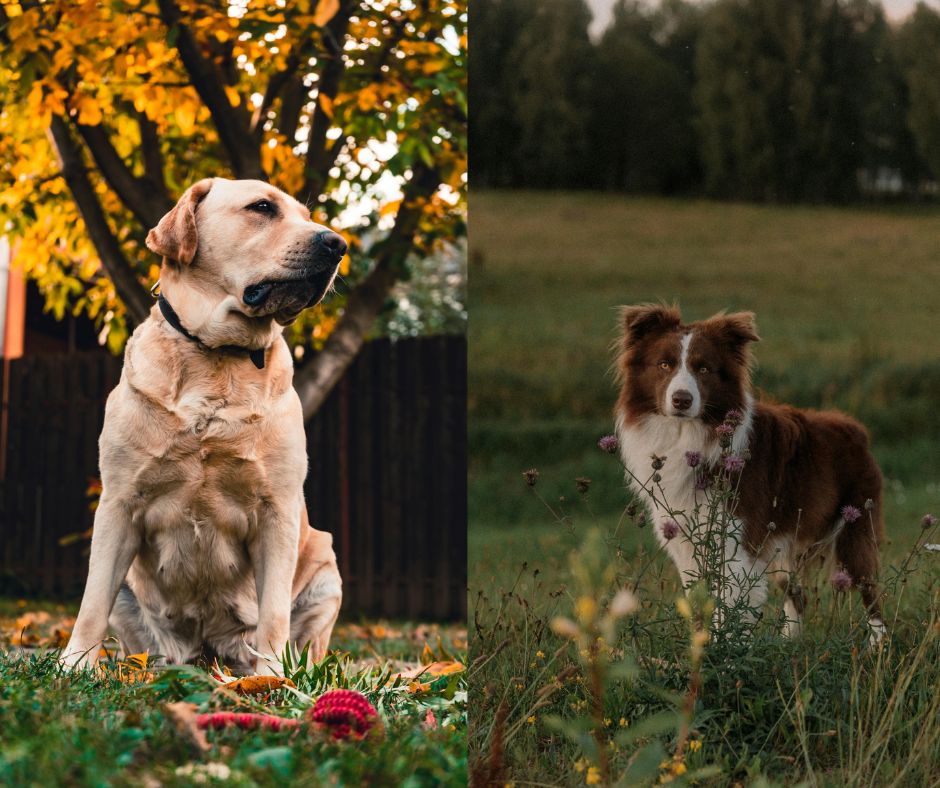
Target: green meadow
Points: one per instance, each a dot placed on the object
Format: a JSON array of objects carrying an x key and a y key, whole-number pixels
[{"x": 846, "y": 305}]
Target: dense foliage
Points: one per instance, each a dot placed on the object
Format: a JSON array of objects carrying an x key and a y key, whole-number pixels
[
  {"x": 111, "y": 109},
  {"x": 821, "y": 100}
]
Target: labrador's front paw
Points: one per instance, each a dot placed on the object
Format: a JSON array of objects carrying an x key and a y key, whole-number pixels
[
  {"x": 78, "y": 657},
  {"x": 265, "y": 666}
]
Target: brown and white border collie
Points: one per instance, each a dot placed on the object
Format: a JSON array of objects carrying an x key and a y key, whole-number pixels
[{"x": 809, "y": 480}]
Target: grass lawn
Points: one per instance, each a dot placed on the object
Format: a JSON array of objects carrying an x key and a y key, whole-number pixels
[
  {"x": 847, "y": 309},
  {"x": 132, "y": 726}
]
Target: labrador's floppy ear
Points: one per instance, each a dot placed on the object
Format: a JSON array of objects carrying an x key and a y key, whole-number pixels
[{"x": 175, "y": 237}]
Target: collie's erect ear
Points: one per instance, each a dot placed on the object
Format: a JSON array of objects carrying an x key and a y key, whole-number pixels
[
  {"x": 738, "y": 327},
  {"x": 175, "y": 236},
  {"x": 637, "y": 321}
]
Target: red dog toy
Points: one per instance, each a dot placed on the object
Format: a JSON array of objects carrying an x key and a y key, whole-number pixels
[{"x": 346, "y": 714}]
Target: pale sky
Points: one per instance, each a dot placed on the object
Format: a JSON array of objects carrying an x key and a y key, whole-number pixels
[{"x": 896, "y": 9}]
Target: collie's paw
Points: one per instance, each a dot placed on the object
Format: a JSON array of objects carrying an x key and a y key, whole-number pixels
[{"x": 878, "y": 631}]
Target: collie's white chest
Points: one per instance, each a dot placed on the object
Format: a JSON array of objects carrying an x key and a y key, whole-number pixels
[{"x": 672, "y": 440}]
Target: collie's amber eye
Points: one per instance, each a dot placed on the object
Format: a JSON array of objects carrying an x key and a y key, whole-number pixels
[{"x": 665, "y": 365}]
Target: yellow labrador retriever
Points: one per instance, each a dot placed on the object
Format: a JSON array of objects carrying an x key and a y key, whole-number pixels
[{"x": 201, "y": 542}]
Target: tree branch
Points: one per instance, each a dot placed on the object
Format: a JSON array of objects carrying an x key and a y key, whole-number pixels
[
  {"x": 276, "y": 84},
  {"x": 315, "y": 380},
  {"x": 131, "y": 292},
  {"x": 319, "y": 161},
  {"x": 292, "y": 104},
  {"x": 142, "y": 197},
  {"x": 150, "y": 152},
  {"x": 230, "y": 122}
]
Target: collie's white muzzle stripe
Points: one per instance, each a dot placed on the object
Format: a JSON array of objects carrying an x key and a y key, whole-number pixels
[{"x": 684, "y": 380}]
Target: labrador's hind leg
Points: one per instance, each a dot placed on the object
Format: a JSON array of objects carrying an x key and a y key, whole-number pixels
[{"x": 314, "y": 612}]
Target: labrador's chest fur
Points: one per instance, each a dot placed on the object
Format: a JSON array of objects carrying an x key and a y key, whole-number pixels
[{"x": 205, "y": 449}]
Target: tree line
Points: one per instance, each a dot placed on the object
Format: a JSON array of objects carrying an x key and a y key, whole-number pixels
[{"x": 771, "y": 100}]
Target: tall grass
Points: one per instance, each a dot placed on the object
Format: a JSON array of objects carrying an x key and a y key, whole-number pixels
[{"x": 607, "y": 672}]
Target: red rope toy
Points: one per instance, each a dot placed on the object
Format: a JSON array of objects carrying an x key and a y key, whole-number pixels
[{"x": 345, "y": 714}]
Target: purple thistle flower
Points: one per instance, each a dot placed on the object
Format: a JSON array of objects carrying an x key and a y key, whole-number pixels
[
  {"x": 734, "y": 417},
  {"x": 734, "y": 463},
  {"x": 851, "y": 513},
  {"x": 725, "y": 433},
  {"x": 724, "y": 430},
  {"x": 841, "y": 581},
  {"x": 693, "y": 458},
  {"x": 669, "y": 529},
  {"x": 609, "y": 443},
  {"x": 928, "y": 521},
  {"x": 701, "y": 483}
]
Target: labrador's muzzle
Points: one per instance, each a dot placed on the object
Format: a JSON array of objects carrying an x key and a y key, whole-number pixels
[{"x": 308, "y": 273}]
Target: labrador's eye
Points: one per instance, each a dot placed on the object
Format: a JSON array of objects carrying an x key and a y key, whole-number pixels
[{"x": 262, "y": 206}]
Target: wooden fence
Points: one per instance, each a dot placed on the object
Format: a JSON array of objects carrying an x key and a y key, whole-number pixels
[{"x": 387, "y": 475}]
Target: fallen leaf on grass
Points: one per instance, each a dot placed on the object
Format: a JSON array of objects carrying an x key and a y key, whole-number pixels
[
  {"x": 184, "y": 718},
  {"x": 433, "y": 669},
  {"x": 37, "y": 628},
  {"x": 256, "y": 685},
  {"x": 130, "y": 670}
]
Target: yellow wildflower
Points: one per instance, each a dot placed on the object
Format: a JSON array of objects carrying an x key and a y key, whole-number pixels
[
  {"x": 580, "y": 765},
  {"x": 678, "y": 768},
  {"x": 530, "y": 719},
  {"x": 585, "y": 608},
  {"x": 624, "y": 722},
  {"x": 607, "y": 722},
  {"x": 684, "y": 608},
  {"x": 593, "y": 776},
  {"x": 695, "y": 745},
  {"x": 540, "y": 654}
]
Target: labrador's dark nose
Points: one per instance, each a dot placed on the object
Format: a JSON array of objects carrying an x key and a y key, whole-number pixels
[
  {"x": 332, "y": 243},
  {"x": 682, "y": 399}
]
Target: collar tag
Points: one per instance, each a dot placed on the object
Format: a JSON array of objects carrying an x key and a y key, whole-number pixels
[{"x": 256, "y": 356}]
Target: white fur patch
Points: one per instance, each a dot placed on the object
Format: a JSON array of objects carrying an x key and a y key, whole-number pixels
[
  {"x": 684, "y": 380},
  {"x": 674, "y": 497}
]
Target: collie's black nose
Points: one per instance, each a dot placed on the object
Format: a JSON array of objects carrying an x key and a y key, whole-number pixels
[
  {"x": 332, "y": 243},
  {"x": 682, "y": 399}
]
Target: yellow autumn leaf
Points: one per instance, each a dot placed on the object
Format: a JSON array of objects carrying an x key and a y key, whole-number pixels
[
  {"x": 390, "y": 208},
  {"x": 185, "y": 115},
  {"x": 367, "y": 98},
  {"x": 138, "y": 660},
  {"x": 256, "y": 685},
  {"x": 433, "y": 66},
  {"x": 233, "y": 96},
  {"x": 326, "y": 104},
  {"x": 326, "y": 10},
  {"x": 87, "y": 110},
  {"x": 432, "y": 671},
  {"x": 444, "y": 668}
]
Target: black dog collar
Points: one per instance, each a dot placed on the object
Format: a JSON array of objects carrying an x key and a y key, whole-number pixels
[{"x": 256, "y": 356}]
